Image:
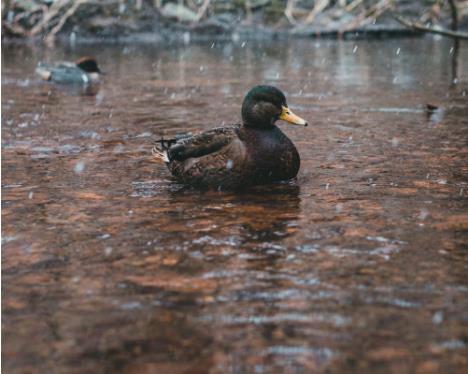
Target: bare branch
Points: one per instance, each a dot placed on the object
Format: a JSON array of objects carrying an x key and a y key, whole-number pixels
[
  {"x": 370, "y": 15},
  {"x": 288, "y": 12},
  {"x": 203, "y": 9},
  {"x": 454, "y": 11},
  {"x": 318, "y": 7},
  {"x": 419, "y": 27}
]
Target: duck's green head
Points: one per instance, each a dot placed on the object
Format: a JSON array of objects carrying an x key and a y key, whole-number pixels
[{"x": 264, "y": 105}]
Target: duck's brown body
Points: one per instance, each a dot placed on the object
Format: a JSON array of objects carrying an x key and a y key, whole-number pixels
[{"x": 234, "y": 157}]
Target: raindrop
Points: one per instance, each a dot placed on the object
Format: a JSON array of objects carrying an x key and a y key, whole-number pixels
[
  {"x": 243, "y": 45},
  {"x": 23, "y": 82},
  {"x": 145, "y": 134},
  {"x": 398, "y": 51},
  {"x": 108, "y": 251},
  {"x": 119, "y": 148},
  {"x": 90, "y": 134},
  {"x": 212, "y": 45},
  {"x": 72, "y": 38},
  {"x": 79, "y": 167},
  {"x": 423, "y": 214},
  {"x": 355, "y": 49},
  {"x": 202, "y": 68},
  {"x": 99, "y": 98},
  {"x": 437, "y": 318},
  {"x": 30, "y": 195},
  {"x": 186, "y": 37},
  {"x": 229, "y": 164}
]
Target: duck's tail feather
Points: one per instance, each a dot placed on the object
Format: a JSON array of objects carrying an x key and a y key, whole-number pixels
[
  {"x": 161, "y": 146},
  {"x": 43, "y": 72},
  {"x": 160, "y": 155},
  {"x": 164, "y": 144}
]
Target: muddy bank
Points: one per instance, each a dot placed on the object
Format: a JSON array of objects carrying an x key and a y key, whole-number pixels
[{"x": 152, "y": 21}]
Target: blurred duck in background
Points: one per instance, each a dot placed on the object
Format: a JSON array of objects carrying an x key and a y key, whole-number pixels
[{"x": 84, "y": 71}]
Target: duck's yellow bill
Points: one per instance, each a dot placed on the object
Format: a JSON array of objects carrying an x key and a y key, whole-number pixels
[{"x": 288, "y": 116}]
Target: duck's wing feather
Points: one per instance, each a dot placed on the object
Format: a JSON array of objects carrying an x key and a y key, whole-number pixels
[{"x": 202, "y": 144}]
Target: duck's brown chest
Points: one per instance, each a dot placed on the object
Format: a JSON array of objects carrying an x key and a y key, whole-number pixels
[{"x": 271, "y": 155}]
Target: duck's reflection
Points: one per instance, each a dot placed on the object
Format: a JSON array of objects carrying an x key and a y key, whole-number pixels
[{"x": 261, "y": 214}]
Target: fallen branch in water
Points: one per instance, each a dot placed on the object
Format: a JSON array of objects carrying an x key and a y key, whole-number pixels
[{"x": 419, "y": 27}]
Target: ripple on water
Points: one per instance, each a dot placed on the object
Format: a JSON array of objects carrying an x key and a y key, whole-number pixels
[
  {"x": 334, "y": 319},
  {"x": 154, "y": 187},
  {"x": 320, "y": 354},
  {"x": 232, "y": 241}
]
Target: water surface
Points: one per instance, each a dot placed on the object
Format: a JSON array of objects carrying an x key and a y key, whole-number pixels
[{"x": 359, "y": 265}]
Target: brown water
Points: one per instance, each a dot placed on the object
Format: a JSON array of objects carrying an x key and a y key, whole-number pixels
[{"x": 359, "y": 265}]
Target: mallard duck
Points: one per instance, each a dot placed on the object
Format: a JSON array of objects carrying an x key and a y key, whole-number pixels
[
  {"x": 83, "y": 71},
  {"x": 251, "y": 153}
]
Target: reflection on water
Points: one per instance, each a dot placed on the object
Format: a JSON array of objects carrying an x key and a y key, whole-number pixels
[{"x": 108, "y": 264}]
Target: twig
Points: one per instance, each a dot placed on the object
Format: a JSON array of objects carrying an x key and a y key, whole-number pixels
[
  {"x": 419, "y": 27},
  {"x": 454, "y": 12},
  {"x": 52, "y": 12},
  {"x": 371, "y": 14},
  {"x": 203, "y": 9},
  {"x": 63, "y": 19},
  {"x": 288, "y": 11},
  {"x": 318, "y": 7},
  {"x": 352, "y": 5}
]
